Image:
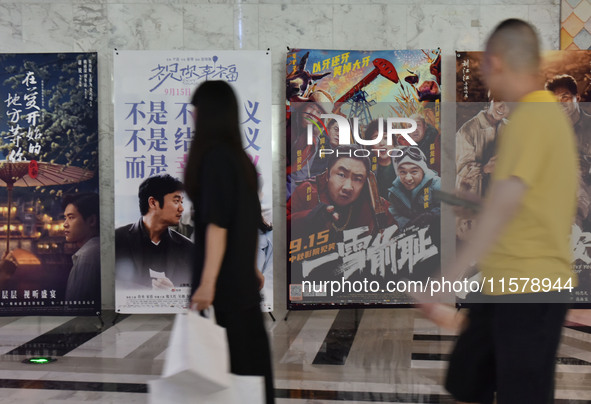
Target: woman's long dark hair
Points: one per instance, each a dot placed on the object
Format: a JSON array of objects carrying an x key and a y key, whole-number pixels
[{"x": 216, "y": 124}]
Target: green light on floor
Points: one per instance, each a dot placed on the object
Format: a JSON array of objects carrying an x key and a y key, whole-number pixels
[{"x": 39, "y": 360}]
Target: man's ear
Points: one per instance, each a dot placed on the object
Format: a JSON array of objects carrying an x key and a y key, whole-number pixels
[
  {"x": 496, "y": 63},
  {"x": 92, "y": 220},
  {"x": 153, "y": 203}
]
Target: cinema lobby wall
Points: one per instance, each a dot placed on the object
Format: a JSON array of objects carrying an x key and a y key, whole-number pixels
[{"x": 104, "y": 25}]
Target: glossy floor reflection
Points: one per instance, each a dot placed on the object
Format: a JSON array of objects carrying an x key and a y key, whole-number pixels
[{"x": 346, "y": 356}]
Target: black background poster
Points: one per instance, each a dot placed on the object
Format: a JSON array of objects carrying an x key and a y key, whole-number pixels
[{"x": 48, "y": 152}]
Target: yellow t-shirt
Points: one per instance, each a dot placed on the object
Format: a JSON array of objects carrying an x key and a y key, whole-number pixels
[{"x": 538, "y": 147}]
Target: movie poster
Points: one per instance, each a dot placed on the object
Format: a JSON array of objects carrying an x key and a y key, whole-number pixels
[
  {"x": 363, "y": 161},
  {"x": 153, "y": 133},
  {"x": 481, "y": 119},
  {"x": 49, "y": 202}
]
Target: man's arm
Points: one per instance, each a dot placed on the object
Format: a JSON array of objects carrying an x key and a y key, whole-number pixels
[
  {"x": 501, "y": 205},
  {"x": 215, "y": 247},
  {"x": 401, "y": 218},
  {"x": 258, "y": 273},
  {"x": 466, "y": 165}
]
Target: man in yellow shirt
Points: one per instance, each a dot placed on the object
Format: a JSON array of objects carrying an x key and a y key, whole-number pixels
[{"x": 521, "y": 242}]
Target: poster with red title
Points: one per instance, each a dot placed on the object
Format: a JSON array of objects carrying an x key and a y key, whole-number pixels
[{"x": 363, "y": 162}]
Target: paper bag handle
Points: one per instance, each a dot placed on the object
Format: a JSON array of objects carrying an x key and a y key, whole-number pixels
[{"x": 208, "y": 313}]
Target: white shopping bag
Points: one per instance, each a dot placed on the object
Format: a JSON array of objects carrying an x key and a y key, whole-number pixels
[
  {"x": 242, "y": 390},
  {"x": 197, "y": 355}
]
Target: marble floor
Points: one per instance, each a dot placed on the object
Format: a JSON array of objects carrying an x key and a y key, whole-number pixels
[{"x": 329, "y": 356}]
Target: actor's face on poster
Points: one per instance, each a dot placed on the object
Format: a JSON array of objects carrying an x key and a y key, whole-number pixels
[
  {"x": 346, "y": 180},
  {"x": 172, "y": 208},
  {"x": 411, "y": 175},
  {"x": 569, "y": 102},
  {"x": 76, "y": 229}
]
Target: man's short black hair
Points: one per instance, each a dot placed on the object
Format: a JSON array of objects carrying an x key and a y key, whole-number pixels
[
  {"x": 516, "y": 42},
  {"x": 87, "y": 204},
  {"x": 156, "y": 187},
  {"x": 347, "y": 151},
  {"x": 562, "y": 81}
]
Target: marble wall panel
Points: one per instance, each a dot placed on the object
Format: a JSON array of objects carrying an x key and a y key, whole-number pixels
[
  {"x": 282, "y": 26},
  {"x": 495, "y": 14},
  {"x": 546, "y": 18},
  {"x": 449, "y": 27},
  {"x": 11, "y": 27},
  {"x": 373, "y": 26},
  {"x": 246, "y": 23},
  {"x": 47, "y": 27},
  {"x": 209, "y": 26},
  {"x": 145, "y": 26},
  {"x": 90, "y": 27}
]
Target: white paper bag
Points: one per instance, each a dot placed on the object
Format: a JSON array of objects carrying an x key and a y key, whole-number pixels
[
  {"x": 197, "y": 355},
  {"x": 242, "y": 390}
]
